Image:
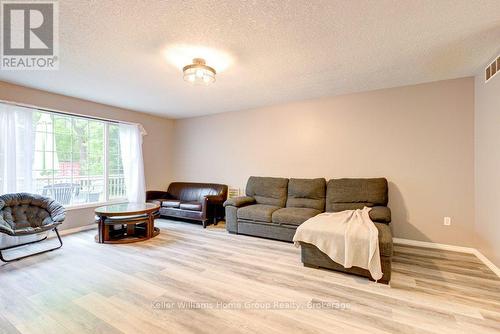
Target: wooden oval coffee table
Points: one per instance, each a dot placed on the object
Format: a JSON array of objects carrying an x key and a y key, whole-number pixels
[{"x": 135, "y": 222}]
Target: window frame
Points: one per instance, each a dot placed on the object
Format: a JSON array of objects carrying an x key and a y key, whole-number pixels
[{"x": 106, "y": 165}]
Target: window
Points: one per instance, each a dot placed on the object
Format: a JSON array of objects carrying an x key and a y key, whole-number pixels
[{"x": 77, "y": 160}]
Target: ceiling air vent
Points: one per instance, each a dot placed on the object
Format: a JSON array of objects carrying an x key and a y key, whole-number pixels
[{"x": 492, "y": 69}]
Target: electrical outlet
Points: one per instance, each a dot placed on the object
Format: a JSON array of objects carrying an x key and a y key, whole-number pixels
[{"x": 447, "y": 221}]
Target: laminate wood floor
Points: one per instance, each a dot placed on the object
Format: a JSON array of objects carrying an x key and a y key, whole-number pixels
[{"x": 191, "y": 280}]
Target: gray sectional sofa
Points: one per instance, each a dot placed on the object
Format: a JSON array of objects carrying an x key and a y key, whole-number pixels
[{"x": 274, "y": 208}]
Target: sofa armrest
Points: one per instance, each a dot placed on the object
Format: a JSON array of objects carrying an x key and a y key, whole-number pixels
[
  {"x": 239, "y": 201},
  {"x": 215, "y": 199},
  {"x": 386, "y": 246},
  {"x": 209, "y": 205},
  {"x": 380, "y": 214},
  {"x": 209, "y": 200},
  {"x": 157, "y": 194}
]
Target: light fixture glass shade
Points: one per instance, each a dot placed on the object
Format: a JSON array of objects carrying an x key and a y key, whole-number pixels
[{"x": 199, "y": 73}]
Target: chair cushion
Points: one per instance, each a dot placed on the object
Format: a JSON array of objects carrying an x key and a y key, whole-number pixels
[
  {"x": 306, "y": 193},
  {"x": 193, "y": 206},
  {"x": 267, "y": 190},
  {"x": 170, "y": 203},
  {"x": 34, "y": 230},
  {"x": 24, "y": 213},
  {"x": 293, "y": 216},
  {"x": 5, "y": 227},
  {"x": 257, "y": 212},
  {"x": 384, "y": 239}
]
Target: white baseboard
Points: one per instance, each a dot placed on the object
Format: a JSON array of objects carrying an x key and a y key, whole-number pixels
[
  {"x": 74, "y": 230},
  {"x": 468, "y": 250},
  {"x": 78, "y": 229},
  {"x": 487, "y": 262},
  {"x": 433, "y": 245}
]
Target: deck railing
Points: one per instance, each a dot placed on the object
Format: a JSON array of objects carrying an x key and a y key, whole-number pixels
[{"x": 80, "y": 189}]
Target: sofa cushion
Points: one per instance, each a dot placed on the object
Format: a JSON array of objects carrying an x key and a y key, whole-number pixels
[
  {"x": 381, "y": 214},
  {"x": 193, "y": 206},
  {"x": 267, "y": 190},
  {"x": 306, "y": 193},
  {"x": 257, "y": 212},
  {"x": 293, "y": 216},
  {"x": 170, "y": 203},
  {"x": 350, "y": 194},
  {"x": 384, "y": 239},
  {"x": 176, "y": 212}
]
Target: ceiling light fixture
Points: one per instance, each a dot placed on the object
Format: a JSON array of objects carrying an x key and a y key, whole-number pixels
[{"x": 198, "y": 72}]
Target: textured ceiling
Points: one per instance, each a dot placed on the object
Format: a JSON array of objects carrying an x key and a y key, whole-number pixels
[{"x": 114, "y": 52}]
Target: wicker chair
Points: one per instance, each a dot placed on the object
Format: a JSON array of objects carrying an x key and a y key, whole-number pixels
[{"x": 25, "y": 214}]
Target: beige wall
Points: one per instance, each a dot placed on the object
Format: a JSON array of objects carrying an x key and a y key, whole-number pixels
[
  {"x": 487, "y": 101},
  {"x": 420, "y": 137},
  {"x": 156, "y": 145}
]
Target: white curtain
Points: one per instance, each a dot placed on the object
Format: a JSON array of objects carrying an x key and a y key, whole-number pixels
[
  {"x": 16, "y": 149},
  {"x": 133, "y": 165},
  {"x": 16, "y": 156}
]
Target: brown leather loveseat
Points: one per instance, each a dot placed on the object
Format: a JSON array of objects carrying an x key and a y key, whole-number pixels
[{"x": 196, "y": 201}]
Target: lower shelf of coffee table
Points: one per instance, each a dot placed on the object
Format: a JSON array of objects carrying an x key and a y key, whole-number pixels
[{"x": 121, "y": 237}]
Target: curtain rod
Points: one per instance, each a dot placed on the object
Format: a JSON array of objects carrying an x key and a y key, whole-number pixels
[{"x": 28, "y": 106}]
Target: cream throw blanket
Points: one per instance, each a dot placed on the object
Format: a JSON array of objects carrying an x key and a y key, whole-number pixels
[{"x": 349, "y": 238}]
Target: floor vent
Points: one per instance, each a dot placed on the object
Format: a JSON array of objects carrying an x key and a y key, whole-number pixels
[{"x": 492, "y": 69}]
